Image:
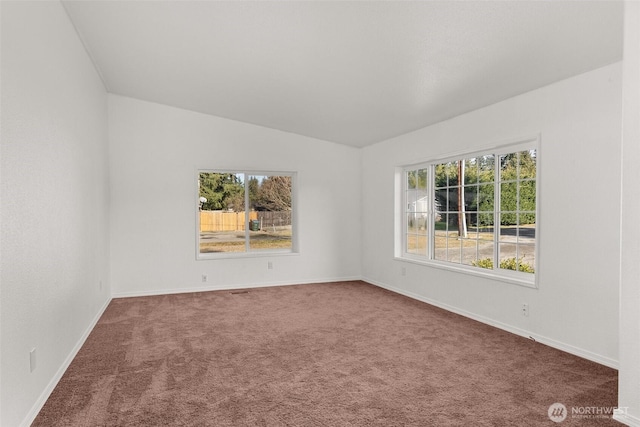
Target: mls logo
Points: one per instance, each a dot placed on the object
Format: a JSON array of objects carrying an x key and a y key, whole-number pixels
[{"x": 557, "y": 412}]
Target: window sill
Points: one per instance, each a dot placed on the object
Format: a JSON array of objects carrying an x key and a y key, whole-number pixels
[
  {"x": 506, "y": 276},
  {"x": 243, "y": 255}
]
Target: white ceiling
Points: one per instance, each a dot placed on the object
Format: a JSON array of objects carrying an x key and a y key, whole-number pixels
[{"x": 351, "y": 72}]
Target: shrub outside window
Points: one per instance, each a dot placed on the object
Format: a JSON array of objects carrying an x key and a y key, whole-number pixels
[
  {"x": 242, "y": 212},
  {"x": 474, "y": 212}
]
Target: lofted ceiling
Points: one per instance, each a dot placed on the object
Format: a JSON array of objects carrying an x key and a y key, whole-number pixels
[{"x": 351, "y": 72}]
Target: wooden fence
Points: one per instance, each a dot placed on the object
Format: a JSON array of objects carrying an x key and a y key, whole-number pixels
[
  {"x": 234, "y": 221},
  {"x": 224, "y": 221}
]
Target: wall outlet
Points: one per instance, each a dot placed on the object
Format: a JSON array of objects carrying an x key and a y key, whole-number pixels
[
  {"x": 100, "y": 284},
  {"x": 270, "y": 265},
  {"x": 204, "y": 278},
  {"x": 525, "y": 310},
  {"x": 403, "y": 271},
  {"x": 32, "y": 360}
]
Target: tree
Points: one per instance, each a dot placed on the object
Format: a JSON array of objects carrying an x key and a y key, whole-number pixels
[
  {"x": 222, "y": 191},
  {"x": 254, "y": 189},
  {"x": 274, "y": 194}
]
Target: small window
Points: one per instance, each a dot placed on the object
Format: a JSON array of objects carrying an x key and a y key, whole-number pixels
[
  {"x": 475, "y": 212},
  {"x": 242, "y": 212}
]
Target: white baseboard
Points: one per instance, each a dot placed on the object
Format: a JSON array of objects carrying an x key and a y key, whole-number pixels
[
  {"x": 230, "y": 287},
  {"x": 624, "y": 418},
  {"x": 585, "y": 354},
  {"x": 37, "y": 406}
]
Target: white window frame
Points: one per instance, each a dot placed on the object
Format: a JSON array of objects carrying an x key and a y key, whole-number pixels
[
  {"x": 515, "y": 277},
  {"x": 248, "y": 252}
]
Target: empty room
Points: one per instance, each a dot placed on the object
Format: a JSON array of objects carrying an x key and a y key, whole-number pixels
[{"x": 320, "y": 213}]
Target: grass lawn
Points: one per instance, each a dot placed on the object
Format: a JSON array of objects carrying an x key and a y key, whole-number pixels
[{"x": 257, "y": 240}]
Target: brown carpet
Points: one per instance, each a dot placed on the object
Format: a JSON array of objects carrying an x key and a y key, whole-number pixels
[{"x": 333, "y": 354}]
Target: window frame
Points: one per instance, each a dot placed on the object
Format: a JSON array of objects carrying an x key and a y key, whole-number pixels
[
  {"x": 402, "y": 211},
  {"x": 248, "y": 252}
]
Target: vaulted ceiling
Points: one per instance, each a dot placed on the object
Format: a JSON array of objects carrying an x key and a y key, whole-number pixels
[{"x": 351, "y": 72}]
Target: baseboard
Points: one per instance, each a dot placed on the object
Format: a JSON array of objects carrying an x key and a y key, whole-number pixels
[
  {"x": 230, "y": 287},
  {"x": 35, "y": 409},
  {"x": 585, "y": 354},
  {"x": 624, "y": 418}
]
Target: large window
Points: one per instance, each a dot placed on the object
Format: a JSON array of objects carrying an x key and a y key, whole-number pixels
[
  {"x": 475, "y": 212},
  {"x": 242, "y": 212}
]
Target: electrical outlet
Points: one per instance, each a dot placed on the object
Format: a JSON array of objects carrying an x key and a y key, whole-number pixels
[
  {"x": 100, "y": 284},
  {"x": 270, "y": 265},
  {"x": 525, "y": 310},
  {"x": 32, "y": 360},
  {"x": 204, "y": 278},
  {"x": 403, "y": 271}
]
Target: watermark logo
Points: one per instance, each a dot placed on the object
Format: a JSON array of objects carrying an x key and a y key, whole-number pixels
[{"x": 557, "y": 412}]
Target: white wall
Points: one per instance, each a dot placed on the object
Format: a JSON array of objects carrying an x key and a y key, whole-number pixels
[
  {"x": 54, "y": 209},
  {"x": 576, "y": 305},
  {"x": 629, "y": 388},
  {"x": 155, "y": 151}
]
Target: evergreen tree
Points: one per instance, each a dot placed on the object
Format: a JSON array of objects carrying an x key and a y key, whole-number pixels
[{"x": 222, "y": 190}]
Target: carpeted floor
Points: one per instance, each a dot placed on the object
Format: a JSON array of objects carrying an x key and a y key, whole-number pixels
[{"x": 334, "y": 354}]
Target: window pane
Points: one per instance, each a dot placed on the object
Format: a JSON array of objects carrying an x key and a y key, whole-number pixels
[
  {"x": 412, "y": 225},
  {"x": 508, "y": 166},
  {"x": 412, "y": 179},
  {"x": 470, "y": 171},
  {"x": 485, "y": 222},
  {"x": 517, "y": 257},
  {"x": 472, "y": 227},
  {"x": 452, "y": 224},
  {"x": 222, "y": 217},
  {"x": 421, "y": 244},
  {"x": 421, "y": 223},
  {"x": 486, "y": 168},
  {"x": 469, "y": 197},
  {"x": 526, "y": 258},
  {"x": 440, "y": 176},
  {"x": 507, "y": 251},
  {"x": 440, "y": 221},
  {"x": 441, "y": 199},
  {"x": 527, "y": 242},
  {"x": 270, "y": 212},
  {"x": 421, "y": 204},
  {"x": 452, "y": 173},
  {"x": 485, "y": 253},
  {"x": 412, "y": 198},
  {"x": 527, "y": 164},
  {"x": 453, "y": 249},
  {"x": 452, "y": 200},
  {"x": 422, "y": 179},
  {"x": 411, "y": 222},
  {"x": 469, "y": 253},
  {"x": 412, "y": 243},
  {"x": 528, "y": 220},
  {"x": 485, "y": 197},
  {"x": 527, "y": 194},
  {"x": 440, "y": 237},
  {"x": 508, "y": 197}
]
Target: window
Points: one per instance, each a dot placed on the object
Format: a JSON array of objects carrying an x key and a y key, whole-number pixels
[
  {"x": 475, "y": 212},
  {"x": 243, "y": 212}
]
